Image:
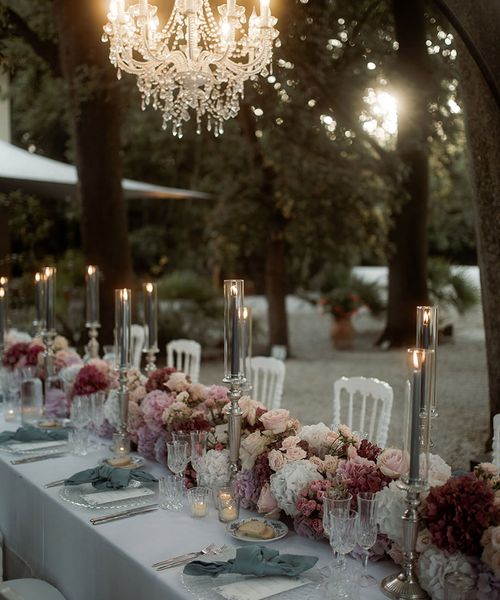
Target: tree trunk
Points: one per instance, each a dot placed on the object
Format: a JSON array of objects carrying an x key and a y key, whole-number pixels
[
  {"x": 408, "y": 235},
  {"x": 95, "y": 107},
  {"x": 482, "y": 21},
  {"x": 276, "y": 288}
]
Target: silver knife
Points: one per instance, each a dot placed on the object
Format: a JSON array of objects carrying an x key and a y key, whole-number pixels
[
  {"x": 21, "y": 461},
  {"x": 54, "y": 483},
  {"x": 124, "y": 514}
]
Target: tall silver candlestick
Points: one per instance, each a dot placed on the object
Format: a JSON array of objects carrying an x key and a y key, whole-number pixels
[
  {"x": 234, "y": 363},
  {"x": 92, "y": 309},
  {"x": 150, "y": 325},
  {"x": 405, "y": 585},
  {"x": 123, "y": 320}
]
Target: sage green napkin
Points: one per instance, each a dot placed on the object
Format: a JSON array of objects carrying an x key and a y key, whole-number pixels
[
  {"x": 105, "y": 477},
  {"x": 255, "y": 560},
  {"x": 32, "y": 434}
]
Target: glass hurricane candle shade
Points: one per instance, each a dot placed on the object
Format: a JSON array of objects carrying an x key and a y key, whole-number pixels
[
  {"x": 427, "y": 338},
  {"x": 49, "y": 298},
  {"x": 234, "y": 349},
  {"x": 123, "y": 322},
  {"x": 246, "y": 322},
  {"x": 417, "y": 420},
  {"x": 92, "y": 295},
  {"x": 150, "y": 316},
  {"x": 39, "y": 322},
  {"x": 3, "y": 316}
]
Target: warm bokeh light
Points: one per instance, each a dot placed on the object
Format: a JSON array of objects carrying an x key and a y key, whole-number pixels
[{"x": 380, "y": 119}]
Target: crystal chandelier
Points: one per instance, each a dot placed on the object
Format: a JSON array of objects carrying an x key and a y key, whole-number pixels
[{"x": 196, "y": 62}]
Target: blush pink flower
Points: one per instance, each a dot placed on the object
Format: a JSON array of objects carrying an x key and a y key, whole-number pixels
[
  {"x": 393, "y": 462},
  {"x": 249, "y": 408},
  {"x": 277, "y": 460},
  {"x": 153, "y": 406},
  {"x": 275, "y": 420},
  {"x": 177, "y": 382},
  {"x": 295, "y": 453},
  {"x": 266, "y": 502},
  {"x": 290, "y": 442}
]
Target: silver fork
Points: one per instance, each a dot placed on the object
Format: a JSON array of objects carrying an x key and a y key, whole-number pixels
[
  {"x": 187, "y": 556},
  {"x": 183, "y": 561}
]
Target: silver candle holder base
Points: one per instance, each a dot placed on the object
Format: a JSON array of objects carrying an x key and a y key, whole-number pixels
[
  {"x": 405, "y": 585},
  {"x": 234, "y": 416},
  {"x": 92, "y": 346},
  {"x": 150, "y": 360}
]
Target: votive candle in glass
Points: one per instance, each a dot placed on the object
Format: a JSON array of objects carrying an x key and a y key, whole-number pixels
[
  {"x": 151, "y": 316},
  {"x": 198, "y": 501},
  {"x": 92, "y": 295},
  {"x": 49, "y": 297},
  {"x": 229, "y": 509},
  {"x": 234, "y": 361},
  {"x": 123, "y": 322}
]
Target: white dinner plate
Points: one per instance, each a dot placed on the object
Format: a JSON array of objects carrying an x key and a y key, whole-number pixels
[
  {"x": 280, "y": 530},
  {"x": 81, "y": 495}
]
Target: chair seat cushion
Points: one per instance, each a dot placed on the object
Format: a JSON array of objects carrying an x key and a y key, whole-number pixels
[{"x": 32, "y": 589}]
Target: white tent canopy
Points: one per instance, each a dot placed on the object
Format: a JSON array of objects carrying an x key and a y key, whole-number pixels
[{"x": 42, "y": 176}]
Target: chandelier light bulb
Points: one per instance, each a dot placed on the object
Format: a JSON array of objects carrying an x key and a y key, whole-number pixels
[{"x": 198, "y": 63}]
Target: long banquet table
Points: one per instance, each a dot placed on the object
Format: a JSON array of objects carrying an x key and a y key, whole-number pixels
[{"x": 113, "y": 561}]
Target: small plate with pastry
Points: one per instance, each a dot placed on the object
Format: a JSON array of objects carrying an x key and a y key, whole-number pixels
[
  {"x": 257, "y": 529},
  {"x": 53, "y": 423},
  {"x": 124, "y": 462}
]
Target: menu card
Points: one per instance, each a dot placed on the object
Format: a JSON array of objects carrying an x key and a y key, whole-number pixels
[
  {"x": 99, "y": 498},
  {"x": 257, "y": 588}
]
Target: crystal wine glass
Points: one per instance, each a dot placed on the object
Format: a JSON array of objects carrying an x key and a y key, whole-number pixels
[
  {"x": 198, "y": 450},
  {"x": 177, "y": 457},
  {"x": 366, "y": 531},
  {"x": 342, "y": 541}
]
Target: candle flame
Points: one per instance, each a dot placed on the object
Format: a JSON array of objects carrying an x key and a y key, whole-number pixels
[
  {"x": 245, "y": 312},
  {"x": 91, "y": 269},
  {"x": 48, "y": 272},
  {"x": 234, "y": 290},
  {"x": 4, "y": 280},
  {"x": 149, "y": 288},
  {"x": 416, "y": 361},
  {"x": 2, "y": 292},
  {"x": 38, "y": 277},
  {"x": 265, "y": 3},
  {"x": 125, "y": 295},
  {"x": 427, "y": 316}
]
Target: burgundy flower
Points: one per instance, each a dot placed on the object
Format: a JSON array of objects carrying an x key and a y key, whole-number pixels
[
  {"x": 89, "y": 381},
  {"x": 458, "y": 512},
  {"x": 32, "y": 354},
  {"x": 368, "y": 450},
  {"x": 361, "y": 475},
  {"x": 158, "y": 379}
]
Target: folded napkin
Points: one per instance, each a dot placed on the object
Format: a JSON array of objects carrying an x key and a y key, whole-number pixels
[
  {"x": 255, "y": 560},
  {"x": 32, "y": 434},
  {"x": 105, "y": 477}
]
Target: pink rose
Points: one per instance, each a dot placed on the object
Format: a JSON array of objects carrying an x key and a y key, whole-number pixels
[
  {"x": 137, "y": 394},
  {"x": 488, "y": 468},
  {"x": 345, "y": 431},
  {"x": 318, "y": 463},
  {"x": 266, "y": 502},
  {"x": 275, "y": 420},
  {"x": 290, "y": 442},
  {"x": 197, "y": 391},
  {"x": 331, "y": 438},
  {"x": 295, "y": 453},
  {"x": 495, "y": 538},
  {"x": 352, "y": 452},
  {"x": 177, "y": 382},
  {"x": 277, "y": 460},
  {"x": 393, "y": 462},
  {"x": 251, "y": 446},
  {"x": 331, "y": 463},
  {"x": 249, "y": 409}
]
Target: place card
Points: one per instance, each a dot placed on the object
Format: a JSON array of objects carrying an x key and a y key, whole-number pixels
[
  {"x": 99, "y": 498},
  {"x": 258, "y": 588},
  {"x": 20, "y": 447}
]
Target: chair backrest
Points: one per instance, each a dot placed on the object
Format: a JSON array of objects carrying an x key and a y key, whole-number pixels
[
  {"x": 496, "y": 440},
  {"x": 185, "y": 355},
  {"x": 368, "y": 406},
  {"x": 137, "y": 336},
  {"x": 267, "y": 380}
]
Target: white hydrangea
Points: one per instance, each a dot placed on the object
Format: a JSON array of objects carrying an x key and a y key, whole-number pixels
[
  {"x": 434, "y": 564},
  {"x": 68, "y": 374},
  {"x": 390, "y": 508},
  {"x": 289, "y": 481},
  {"x": 439, "y": 470},
  {"x": 214, "y": 467},
  {"x": 314, "y": 435}
]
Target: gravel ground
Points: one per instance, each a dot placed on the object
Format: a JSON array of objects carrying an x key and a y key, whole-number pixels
[{"x": 462, "y": 394}]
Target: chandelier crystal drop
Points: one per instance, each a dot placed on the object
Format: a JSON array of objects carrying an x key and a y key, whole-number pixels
[{"x": 197, "y": 62}]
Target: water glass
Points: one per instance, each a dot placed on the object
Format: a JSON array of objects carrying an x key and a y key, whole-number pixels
[
  {"x": 31, "y": 397},
  {"x": 343, "y": 540},
  {"x": 12, "y": 399},
  {"x": 78, "y": 441},
  {"x": 171, "y": 491},
  {"x": 81, "y": 416},
  {"x": 366, "y": 530},
  {"x": 198, "y": 498}
]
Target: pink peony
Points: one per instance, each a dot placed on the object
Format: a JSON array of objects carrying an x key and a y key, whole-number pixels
[
  {"x": 137, "y": 394},
  {"x": 135, "y": 419},
  {"x": 266, "y": 502},
  {"x": 197, "y": 392},
  {"x": 393, "y": 462},
  {"x": 277, "y": 460},
  {"x": 177, "y": 382},
  {"x": 276, "y": 420}
]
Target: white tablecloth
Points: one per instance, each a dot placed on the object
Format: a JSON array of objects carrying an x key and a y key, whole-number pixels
[{"x": 111, "y": 561}]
